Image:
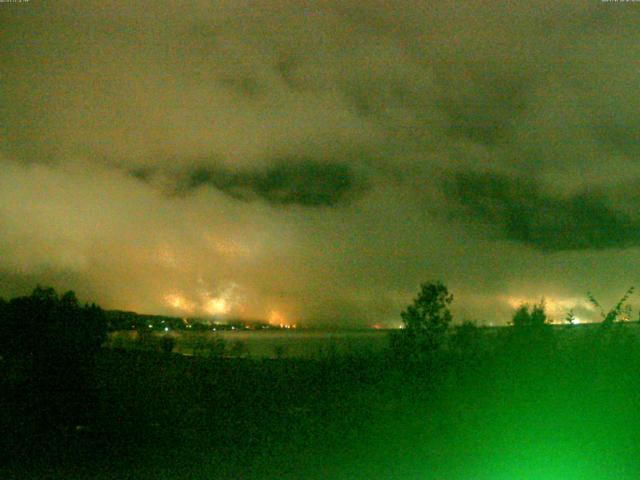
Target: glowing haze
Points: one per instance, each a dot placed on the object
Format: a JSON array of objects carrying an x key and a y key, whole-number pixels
[{"x": 315, "y": 161}]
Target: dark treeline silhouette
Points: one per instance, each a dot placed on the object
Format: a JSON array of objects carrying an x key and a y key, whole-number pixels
[
  {"x": 48, "y": 345},
  {"x": 426, "y": 323},
  {"x": 513, "y": 402},
  {"x": 44, "y": 323},
  {"x": 430, "y": 345}
]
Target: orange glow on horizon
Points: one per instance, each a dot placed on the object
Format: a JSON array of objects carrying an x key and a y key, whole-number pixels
[
  {"x": 179, "y": 302},
  {"x": 217, "y": 306},
  {"x": 277, "y": 319},
  {"x": 556, "y": 307}
]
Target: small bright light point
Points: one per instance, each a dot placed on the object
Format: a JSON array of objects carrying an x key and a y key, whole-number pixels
[{"x": 166, "y": 329}]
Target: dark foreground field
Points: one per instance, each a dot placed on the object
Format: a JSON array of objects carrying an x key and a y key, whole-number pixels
[{"x": 515, "y": 408}]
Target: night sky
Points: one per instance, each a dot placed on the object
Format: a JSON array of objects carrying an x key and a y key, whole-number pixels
[{"x": 313, "y": 162}]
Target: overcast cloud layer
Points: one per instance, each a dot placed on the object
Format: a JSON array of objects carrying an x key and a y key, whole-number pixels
[{"x": 316, "y": 161}]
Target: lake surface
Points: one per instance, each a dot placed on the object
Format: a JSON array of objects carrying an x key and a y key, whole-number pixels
[
  {"x": 309, "y": 343},
  {"x": 263, "y": 344}
]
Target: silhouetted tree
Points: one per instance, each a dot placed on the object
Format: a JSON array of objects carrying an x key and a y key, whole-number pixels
[
  {"x": 466, "y": 347},
  {"x": 425, "y": 322},
  {"x": 69, "y": 301},
  {"x": 620, "y": 311},
  {"x": 570, "y": 317},
  {"x": 42, "y": 323},
  {"x": 531, "y": 338},
  {"x": 466, "y": 338},
  {"x": 526, "y": 316},
  {"x": 55, "y": 340},
  {"x": 612, "y": 339}
]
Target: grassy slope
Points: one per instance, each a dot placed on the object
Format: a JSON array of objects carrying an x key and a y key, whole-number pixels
[{"x": 515, "y": 413}]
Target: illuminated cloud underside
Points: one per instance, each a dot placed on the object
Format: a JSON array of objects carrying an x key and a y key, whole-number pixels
[{"x": 320, "y": 161}]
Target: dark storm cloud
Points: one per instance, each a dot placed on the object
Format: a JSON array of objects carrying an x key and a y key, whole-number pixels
[
  {"x": 487, "y": 113},
  {"x": 149, "y": 149},
  {"x": 521, "y": 211},
  {"x": 293, "y": 182}
]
